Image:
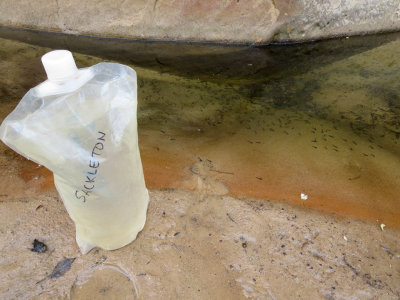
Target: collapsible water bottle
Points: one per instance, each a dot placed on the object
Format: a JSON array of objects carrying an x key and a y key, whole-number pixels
[{"x": 82, "y": 125}]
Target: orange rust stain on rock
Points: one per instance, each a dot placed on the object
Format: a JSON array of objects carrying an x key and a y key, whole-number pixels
[
  {"x": 171, "y": 172},
  {"x": 322, "y": 196},
  {"x": 37, "y": 175},
  {"x": 333, "y": 203},
  {"x": 163, "y": 170}
]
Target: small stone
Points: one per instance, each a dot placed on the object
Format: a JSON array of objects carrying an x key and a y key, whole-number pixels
[{"x": 39, "y": 247}]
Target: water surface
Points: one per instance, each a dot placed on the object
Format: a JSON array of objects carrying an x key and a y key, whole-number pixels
[{"x": 270, "y": 122}]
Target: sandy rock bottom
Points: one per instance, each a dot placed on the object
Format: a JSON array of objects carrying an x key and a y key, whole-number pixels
[{"x": 199, "y": 246}]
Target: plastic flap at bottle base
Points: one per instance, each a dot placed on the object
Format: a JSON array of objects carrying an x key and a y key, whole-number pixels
[{"x": 82, "y": 125}]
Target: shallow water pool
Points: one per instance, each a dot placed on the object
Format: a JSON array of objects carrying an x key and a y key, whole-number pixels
[{"x": 273, "y": 122}]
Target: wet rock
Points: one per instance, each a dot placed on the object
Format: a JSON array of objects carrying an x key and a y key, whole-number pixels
[
  {"x": 249, "y": 21},
  {"x": 107, "y": 283}
]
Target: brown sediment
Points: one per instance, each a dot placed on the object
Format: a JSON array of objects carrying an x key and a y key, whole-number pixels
[
  {"x": 332, "y": 195},
  {"x": 31, "y": 171},
  {"x": 322, "y": 198},
  {"x": 162, "y": 170}
]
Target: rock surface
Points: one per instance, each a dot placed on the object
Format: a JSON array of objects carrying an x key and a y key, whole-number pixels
[
  {"x": 231, "y": 21},
  {"x": 200, "y": 247}
]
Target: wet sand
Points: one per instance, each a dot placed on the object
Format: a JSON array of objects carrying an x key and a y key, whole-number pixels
[{"x": 208, "y": 152}]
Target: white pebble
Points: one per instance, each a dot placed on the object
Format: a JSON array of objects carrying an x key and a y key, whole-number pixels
[{"x": 303, "y": 196}]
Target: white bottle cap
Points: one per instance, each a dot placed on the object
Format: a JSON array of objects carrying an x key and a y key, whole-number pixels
[{"x": 59, "y": 65}]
